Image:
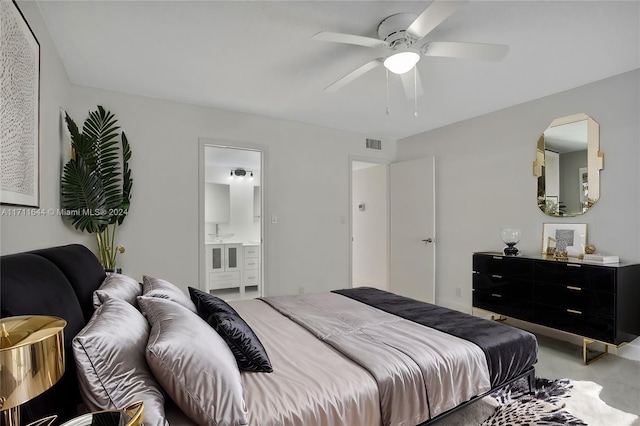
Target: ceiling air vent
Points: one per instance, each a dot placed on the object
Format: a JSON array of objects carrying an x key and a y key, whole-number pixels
[{"x": 374, "y": 144}]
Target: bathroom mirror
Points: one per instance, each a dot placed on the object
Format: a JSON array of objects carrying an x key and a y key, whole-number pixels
[
  {"x": 217, "y": 206},
  {"x": 568, "y": 163},
  {"x": 257, "y": 203}
]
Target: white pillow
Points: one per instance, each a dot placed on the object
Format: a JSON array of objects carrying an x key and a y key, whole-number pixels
[
  {"x": 155, "y": 287},
  {"x": 117, "y": 286},
  {"x": 193, "y": 364},
  {"x": 110, "y": 359}
]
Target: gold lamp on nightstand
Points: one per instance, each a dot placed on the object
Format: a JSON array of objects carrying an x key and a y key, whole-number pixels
[{"x": 31, "y": 360}]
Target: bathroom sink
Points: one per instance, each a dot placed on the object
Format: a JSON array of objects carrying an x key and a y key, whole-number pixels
[{"x": 220, "y": 237}]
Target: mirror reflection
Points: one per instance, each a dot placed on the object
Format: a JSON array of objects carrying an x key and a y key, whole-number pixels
[{"x": 568, "y": 165}]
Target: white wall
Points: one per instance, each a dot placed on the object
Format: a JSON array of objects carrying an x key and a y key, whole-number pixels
[
  {"x": 370, "y": 236},
  {"x": 306, "y": 184},
  {"x": 484, "y": 179},
  {"x": 20, "y": 233}
]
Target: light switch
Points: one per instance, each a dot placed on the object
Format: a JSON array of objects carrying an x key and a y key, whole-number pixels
[{"x": 274, "y": 219}]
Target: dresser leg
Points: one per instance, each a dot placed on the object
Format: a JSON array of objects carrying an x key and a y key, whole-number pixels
[{"x": 585, "y": 343}]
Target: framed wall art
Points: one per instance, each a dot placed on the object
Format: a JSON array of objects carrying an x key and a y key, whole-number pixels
[
  {"x": 569, "y": 237},
  {"x": 20, "y": 112}
]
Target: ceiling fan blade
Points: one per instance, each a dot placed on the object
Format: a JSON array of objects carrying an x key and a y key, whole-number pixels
[
  {"x": 452, "y": 49},
  {"x": 348, "y": 39},
  {"x": 354, "y": 74},
  {"x": 411, "y": 84},
  {"x": 433, "y": 16}
]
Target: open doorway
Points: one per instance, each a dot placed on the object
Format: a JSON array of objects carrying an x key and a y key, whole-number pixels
[
  {"x": 369, "y": 224},
  {"x": 231, "y": 228},
  {"x": 393, "y": 226}
]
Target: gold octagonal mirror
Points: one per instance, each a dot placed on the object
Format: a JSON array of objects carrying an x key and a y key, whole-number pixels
[{"x": 568, "y": 163}]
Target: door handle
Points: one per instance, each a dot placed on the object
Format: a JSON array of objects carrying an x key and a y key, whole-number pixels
[{"x": 429, "y": 240}]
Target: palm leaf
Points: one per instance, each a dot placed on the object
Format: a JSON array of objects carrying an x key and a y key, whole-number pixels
[
  {"x": 94, "y": 180},
  {"x": 101, "y": 127},
  {"x": 127, "y": 180},
  {"x": 83, "y": 198}
]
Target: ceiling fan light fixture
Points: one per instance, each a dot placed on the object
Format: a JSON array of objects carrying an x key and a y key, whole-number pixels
[{"x": 402, "y": 62}]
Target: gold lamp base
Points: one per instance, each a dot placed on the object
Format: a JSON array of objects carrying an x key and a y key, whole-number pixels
[{"x": 31, "y": 360}]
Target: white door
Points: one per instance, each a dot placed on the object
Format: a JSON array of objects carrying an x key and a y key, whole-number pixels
[{"x": 412, "y": 228}]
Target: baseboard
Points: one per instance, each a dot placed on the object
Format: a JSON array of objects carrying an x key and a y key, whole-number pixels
[{"x": 631, "y": 351}]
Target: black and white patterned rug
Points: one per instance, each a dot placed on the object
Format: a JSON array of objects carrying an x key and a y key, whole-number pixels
[{"x": 554, "y": 403}]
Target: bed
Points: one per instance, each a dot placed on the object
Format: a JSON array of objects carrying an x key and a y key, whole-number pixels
[{"x": 351, "y": 357}]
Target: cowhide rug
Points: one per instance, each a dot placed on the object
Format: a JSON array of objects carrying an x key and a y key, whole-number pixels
[{"x": 555, "y": 403}]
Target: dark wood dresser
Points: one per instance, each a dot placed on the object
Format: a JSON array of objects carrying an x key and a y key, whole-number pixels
[{"x": 596, "y": 301}]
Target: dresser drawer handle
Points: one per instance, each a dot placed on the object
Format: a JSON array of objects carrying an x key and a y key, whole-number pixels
[
  {"x": 497, "y": 257},
  {"x": 496, "y": 276},
  {"x": 574, "y": 265},
  {"x": 496, "y": 295},
  {"x": 570, "y": 287},
  {"x": 573, "y": 311}
]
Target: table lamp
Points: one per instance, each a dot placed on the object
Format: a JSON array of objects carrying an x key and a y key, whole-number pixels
[{"x": 31, "y": 360}]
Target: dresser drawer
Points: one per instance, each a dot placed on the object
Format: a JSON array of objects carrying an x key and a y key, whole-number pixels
[
  {"x": 575, "y": 275},
  {"x": 224, "y": 276},
  {"x": 504, "y": 305},
  {"x": 585, "y": 300},
  {"x": 512, "y": 287},
  {"x": 220, "y": 285},
  {"x": 251, "y": 277},
  {"x": 251, "y": 263},
  {"x": 251, "y": 251},
  {"x": 513, "y": 267},
  {"x": 574, "y": 321}
]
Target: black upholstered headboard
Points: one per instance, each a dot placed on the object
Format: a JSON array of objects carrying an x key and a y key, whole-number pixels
[{"x": 56, "y": 281}]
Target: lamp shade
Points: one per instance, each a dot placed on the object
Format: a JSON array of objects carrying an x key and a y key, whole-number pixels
[
  {"x": 31, "y": 357},
  {"x": 402, "y": 62}
]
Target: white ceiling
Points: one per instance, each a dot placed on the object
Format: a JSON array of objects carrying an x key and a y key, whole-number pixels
[{"x": 257, "y": 56}]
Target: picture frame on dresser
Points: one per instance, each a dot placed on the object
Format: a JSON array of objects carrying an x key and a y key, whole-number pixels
[
  {"x": 20, "y": 115},
  {"x": 570, "y": 236}
]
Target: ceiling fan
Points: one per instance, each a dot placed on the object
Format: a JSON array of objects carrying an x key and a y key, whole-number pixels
[{"x": 403, "y": 35}]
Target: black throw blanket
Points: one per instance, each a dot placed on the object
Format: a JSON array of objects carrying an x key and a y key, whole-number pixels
[{"x": 509, "y": 351}]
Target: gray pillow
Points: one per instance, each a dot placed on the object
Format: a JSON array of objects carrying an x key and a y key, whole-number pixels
[
  {"x": 155, "y": 287},
  {"x": 110, "y": 358},
  {"x": 117, "y": 286},
  {"x": 193, "y": 364}
]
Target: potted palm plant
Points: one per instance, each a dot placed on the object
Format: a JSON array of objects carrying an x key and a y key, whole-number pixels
[{"x": 96, "y": 182}]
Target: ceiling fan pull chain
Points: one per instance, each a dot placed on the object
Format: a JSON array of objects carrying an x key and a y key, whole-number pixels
[
  {"x": 387, "y": 77},
  {"x": 415, "y": 91}
]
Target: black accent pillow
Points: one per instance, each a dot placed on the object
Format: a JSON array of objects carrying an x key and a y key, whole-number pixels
[{"x": 243, "y": 342}]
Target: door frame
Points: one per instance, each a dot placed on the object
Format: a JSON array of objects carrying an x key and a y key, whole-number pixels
[
  {"x": 247, "y": 146},
  {"x": 372, "y": 160}
]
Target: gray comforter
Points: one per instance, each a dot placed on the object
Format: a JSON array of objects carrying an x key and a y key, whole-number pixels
[{"x": 420, "y": 372}]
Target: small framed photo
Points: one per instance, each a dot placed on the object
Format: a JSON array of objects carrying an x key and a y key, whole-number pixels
[{"x": 569, "y": 237}]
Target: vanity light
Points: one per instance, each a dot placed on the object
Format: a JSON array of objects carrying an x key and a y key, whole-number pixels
[
  {"x": 231, "y": 174},
  {"x": 239, "y": 173},
  {"x": 251, "y": 176}
]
